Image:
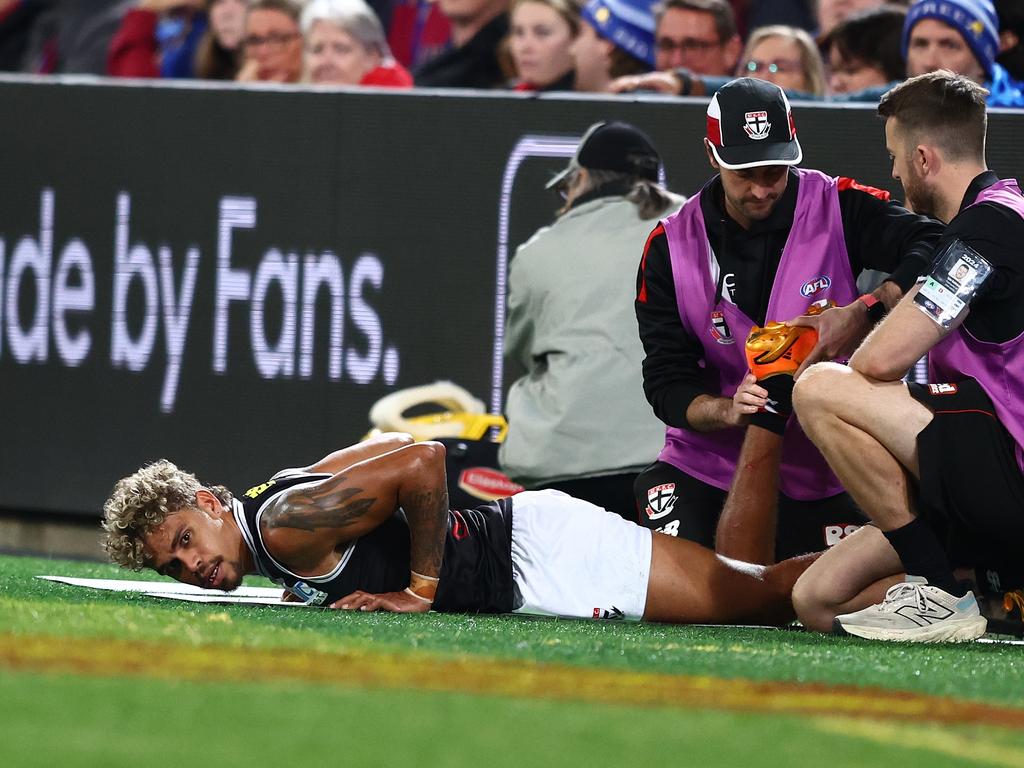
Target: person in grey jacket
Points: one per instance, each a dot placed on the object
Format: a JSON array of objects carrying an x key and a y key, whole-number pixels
[{"x": 578, "y": 419}]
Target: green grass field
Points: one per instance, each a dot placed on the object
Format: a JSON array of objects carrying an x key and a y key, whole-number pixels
[{"x": 94, "y": 678}]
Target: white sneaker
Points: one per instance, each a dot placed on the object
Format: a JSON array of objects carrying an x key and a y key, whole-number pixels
[{"x": 915, "y": 612}]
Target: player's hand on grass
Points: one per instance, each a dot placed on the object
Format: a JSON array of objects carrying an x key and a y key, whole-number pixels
[
  {"x": 396, "y": 602},
  {"x": 840, "y": 331}
]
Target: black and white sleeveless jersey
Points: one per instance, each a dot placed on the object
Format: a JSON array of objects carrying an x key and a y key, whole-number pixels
[{"x": 476, "y": 575}]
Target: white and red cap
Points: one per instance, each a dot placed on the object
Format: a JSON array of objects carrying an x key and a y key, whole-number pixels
[{"x": 750, "y": 124}]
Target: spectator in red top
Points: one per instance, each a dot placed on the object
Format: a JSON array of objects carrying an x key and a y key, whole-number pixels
[
  {"x": 158, "y": 38},
  {"x": 273, "y": 42},
  {"x": 345, "y": 45},
  {"x": 418, "y": 31},
  {"x": 542, "y": 33}
]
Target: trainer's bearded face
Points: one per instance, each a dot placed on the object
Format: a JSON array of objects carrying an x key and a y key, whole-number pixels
[
  {"x": 751, "y": 193},
  {"x": 918, "y": 197},
  {"x": 198, "y": 545}
]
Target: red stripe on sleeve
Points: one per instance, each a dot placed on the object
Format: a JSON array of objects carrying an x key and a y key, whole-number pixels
[
  {"x": 642, "y": 294},
  {"x": 846, "y": 183}
]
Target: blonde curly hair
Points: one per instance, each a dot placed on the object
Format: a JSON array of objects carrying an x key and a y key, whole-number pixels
[{"x": 141, "y": 502}]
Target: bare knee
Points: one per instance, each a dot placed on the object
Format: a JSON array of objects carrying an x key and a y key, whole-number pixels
[
  {"x": 815, "y": 392},
  {"x": 811, "y": 603}
]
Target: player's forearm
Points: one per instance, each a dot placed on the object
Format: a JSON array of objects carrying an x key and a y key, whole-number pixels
[
  {"x": 424, "y": 498},
  {"x": 746, "y": 528}
]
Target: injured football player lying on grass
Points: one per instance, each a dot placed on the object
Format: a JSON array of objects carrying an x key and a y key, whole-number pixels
[{"x": 368, "y": 527}]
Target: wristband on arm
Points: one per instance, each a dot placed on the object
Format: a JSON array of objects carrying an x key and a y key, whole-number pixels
[
  {"x": 876, "y": 309},
  {"x": 423, "y": 587}
]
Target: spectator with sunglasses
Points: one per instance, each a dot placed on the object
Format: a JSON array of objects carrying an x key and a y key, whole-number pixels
[
  {"x": 786, "y": 56},
  {"x": 273, "y": 42}
]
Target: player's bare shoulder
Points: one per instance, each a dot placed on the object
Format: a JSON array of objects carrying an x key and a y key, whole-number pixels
[{"x": 306, "y": 522}]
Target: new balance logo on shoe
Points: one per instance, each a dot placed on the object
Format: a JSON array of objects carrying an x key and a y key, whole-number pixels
[
  {"x": 917, "y": 613},
  {"x": 932, "y": 613}
]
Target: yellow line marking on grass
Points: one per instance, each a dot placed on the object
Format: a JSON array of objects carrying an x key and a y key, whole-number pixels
[
  {"x": 107, "y": 657},
  {"x": 916, "y": 737}
]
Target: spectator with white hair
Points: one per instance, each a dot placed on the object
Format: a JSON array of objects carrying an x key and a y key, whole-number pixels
[{"x": 345, "y": 45}]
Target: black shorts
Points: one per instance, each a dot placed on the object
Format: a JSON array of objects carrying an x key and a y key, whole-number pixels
[
  {"x": 675, "y": 503},
  {"x": 971, "y": 489}
]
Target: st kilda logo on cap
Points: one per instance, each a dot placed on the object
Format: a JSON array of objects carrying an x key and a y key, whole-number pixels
[{"x": 757, "y": 126}]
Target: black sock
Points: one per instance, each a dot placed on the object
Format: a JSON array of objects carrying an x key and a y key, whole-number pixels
[
  {"x": 922, "y": 555},
  {"x": 780, "y": 401}
]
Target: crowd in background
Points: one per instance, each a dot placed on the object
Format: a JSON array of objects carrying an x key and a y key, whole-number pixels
[{"x": 819, "y": 49}]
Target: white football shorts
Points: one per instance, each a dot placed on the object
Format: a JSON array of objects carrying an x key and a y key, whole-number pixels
[{"x": 571, "y": 558}]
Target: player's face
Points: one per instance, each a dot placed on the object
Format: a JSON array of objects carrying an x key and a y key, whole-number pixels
[
  {"x": 751, "y": 193},
  {"x": 198, "y": 545},
  {"x": 917, "y": 196}
]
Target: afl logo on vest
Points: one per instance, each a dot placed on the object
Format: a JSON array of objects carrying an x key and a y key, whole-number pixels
[
  {"x": 719, "y": 330},
  {"x": 817, "y": 285}
]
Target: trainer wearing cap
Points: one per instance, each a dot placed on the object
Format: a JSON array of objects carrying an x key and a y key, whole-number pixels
[
  {"x": 961, "y": 36},
  {"x": 616, "y": 38},
  {"x": 760, "y": 242},
  {"x": 577, "y": 418}
]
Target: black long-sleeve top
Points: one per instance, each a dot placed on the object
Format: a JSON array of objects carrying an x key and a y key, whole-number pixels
[{"x": 879, "y": 234}]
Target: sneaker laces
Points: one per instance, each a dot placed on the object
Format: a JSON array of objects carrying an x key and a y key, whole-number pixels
[{"x": 899, "y": 593}]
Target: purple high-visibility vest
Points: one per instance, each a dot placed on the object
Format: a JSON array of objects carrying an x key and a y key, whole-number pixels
[
  {"x": 998, "y": 368},
  {"x": 814, "y": 265}
]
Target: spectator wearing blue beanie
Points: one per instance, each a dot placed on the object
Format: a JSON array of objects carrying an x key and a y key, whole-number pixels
[
  {"x": 961, "y": 36},
  {"x": 616, "y": 38}
]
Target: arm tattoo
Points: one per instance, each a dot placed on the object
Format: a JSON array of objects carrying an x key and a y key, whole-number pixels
[
  {"x": 326, "y": 505},
  {"x": 427, "y": 512}
]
